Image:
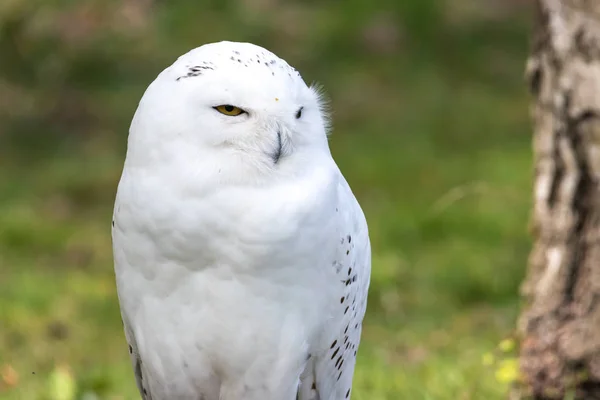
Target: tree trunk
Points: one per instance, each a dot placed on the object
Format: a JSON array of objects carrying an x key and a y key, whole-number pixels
[{"x": 560, "y": 326}]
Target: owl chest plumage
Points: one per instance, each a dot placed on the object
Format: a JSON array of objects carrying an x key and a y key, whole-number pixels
[{"x": 235, "y": 278}]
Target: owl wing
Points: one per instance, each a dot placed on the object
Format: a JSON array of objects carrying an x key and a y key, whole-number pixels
[
  {"x": 136, "y": 362},
  {"x": 329, "y": 373}
]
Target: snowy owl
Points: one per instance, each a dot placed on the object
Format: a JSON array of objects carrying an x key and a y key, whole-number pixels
[{"x": 242, "y": 258}]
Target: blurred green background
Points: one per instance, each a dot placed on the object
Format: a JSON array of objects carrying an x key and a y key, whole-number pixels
[{"x": 431, "y": 129}]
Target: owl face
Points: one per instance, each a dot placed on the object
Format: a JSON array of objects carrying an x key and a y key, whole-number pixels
[{"x": 236, "y": 103}]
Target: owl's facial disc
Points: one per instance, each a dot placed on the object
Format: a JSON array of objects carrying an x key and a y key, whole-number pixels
[{"x": 233, "y": 106}]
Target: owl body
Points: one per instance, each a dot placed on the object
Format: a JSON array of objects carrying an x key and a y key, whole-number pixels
[{"x": 242, "y": 258}]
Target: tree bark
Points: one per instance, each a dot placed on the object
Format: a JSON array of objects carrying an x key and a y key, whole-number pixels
[{"x": 560, "y": 325}]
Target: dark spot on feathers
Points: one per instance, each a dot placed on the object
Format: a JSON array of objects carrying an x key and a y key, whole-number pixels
[
  {"x": 349, "y": 238},
  {"x": 349, "y": 270},
  {"x": 346, "y": 310},
  {"x": 335, "y": 353},
  {"x": 348, "y": 393},
  {"x": 342, "y": 299},
  {"x": 113, "y": 222},
  {"x": 340, "y": 375},
  {"x": 347, "y": 252},
  {"x": 195, "y": 70},
  {"x": 130, "y": 349},
  {"x": 314, "y": 386},
  {"x": 333, "y": 344},
  {"x": 338, "y": 361},
  {"x": 338, "y": 266},
  {"x": 236, "y": 52}
]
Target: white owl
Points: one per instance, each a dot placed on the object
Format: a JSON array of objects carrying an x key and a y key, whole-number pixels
[{"x": 242, "y": 257}]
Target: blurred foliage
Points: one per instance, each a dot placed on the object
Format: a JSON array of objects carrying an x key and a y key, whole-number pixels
[{"x": 430, "y": 128}]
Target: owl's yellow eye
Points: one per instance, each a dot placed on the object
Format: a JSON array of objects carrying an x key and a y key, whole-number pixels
[{"x": 230, "y": 110}]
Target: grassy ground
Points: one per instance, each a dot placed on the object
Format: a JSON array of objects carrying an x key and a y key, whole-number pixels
[{"x": 431, "y": 130}]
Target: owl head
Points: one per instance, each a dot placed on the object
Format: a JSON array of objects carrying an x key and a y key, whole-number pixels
[{"x": 231, "y": 109}]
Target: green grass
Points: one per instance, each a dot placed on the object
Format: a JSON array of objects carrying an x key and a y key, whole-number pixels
[{"x": 432, "y": 136}]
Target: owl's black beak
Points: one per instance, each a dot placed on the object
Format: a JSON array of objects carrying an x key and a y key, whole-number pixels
[{"x": 277, "y": 154}]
